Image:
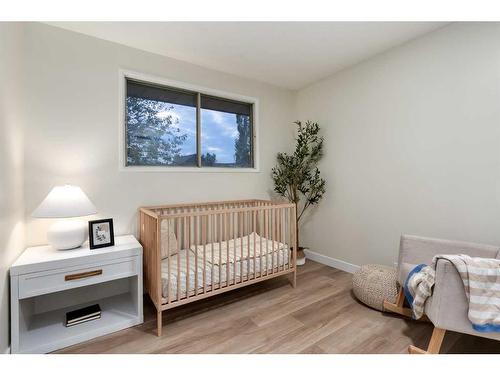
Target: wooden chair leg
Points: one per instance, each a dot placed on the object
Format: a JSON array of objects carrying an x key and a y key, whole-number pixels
[
  {"x": 414, "y": 350},
  {"x": 159, "y": 323},
  {"x": 436, "y": 340},
  {"x": 399, "y": 308},
  {"x": 400, "y": 300},
  {"x": 434, "y": 344}
]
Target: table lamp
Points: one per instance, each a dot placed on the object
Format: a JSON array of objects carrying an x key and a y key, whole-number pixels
[{"x": 65, "y": 202}]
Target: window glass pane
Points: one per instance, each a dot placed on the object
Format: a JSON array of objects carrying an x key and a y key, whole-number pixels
[
  {"x": 226, "y": 133},
  {"x": 161, "y": 126}
]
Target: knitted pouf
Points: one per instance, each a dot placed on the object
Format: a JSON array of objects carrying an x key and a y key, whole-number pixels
[{"x": 374, "y": 283}]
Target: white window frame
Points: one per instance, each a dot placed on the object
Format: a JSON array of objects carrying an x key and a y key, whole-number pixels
[{"x": 146, "y": 78}]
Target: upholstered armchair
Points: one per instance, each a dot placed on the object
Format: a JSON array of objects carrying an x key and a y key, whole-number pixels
[{"x": 448, "y": 306}]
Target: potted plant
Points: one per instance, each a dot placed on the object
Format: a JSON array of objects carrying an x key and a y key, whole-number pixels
[{"x": 297, "y": 177}]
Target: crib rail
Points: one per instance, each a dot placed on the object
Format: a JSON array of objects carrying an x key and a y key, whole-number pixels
[
  {"x": 149, "y": 236},
  {"x": 203, "y": 249}
]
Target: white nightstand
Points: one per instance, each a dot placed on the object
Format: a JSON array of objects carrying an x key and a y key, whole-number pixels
[{"x": 46, "y": 283}]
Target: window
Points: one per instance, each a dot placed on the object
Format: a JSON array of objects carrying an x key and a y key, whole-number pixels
[{"x": 171, "y": 127}]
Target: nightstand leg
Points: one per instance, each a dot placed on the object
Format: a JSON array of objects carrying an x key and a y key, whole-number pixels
[
  {"x": 158, "y": 323},
  {"x": 14, "y": 311}
]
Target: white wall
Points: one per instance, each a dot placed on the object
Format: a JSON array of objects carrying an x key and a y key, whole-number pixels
[
  {"x": 11, "y": 168},
  {"x": 412, "y": 146},
  {"x": 73, "y": 119}
]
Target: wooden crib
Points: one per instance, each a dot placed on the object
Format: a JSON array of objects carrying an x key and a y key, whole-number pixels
[{"x": 194, "y": 251}]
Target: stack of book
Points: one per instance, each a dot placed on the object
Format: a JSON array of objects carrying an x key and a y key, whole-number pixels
[{"x": 83, "y": 315}]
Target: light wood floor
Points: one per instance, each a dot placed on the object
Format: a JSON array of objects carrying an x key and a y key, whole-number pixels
[{"x": 319, "y": 316}]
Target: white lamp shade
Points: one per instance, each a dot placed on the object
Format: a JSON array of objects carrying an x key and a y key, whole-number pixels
[{"x": 65, "y": 201}]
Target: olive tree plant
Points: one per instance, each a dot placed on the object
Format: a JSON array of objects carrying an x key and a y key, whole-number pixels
[{"x": 296, "y": 176}]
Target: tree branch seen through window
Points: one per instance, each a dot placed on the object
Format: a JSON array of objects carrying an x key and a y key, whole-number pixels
[{"x": 161, "y": 129}]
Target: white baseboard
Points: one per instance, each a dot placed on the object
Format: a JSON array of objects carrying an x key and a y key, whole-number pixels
[{"x": 332, "y": 262}]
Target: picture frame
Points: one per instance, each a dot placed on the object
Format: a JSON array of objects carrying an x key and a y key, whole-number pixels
[{"x": 101, "y": 233}]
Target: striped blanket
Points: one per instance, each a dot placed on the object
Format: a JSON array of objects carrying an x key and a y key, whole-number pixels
[{"x": 481, "y": 279}]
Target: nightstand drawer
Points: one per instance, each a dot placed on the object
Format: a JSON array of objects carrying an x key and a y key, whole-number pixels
[{"x": 39, "y": 283}]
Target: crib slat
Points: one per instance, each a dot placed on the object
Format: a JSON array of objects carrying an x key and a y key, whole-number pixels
[
  {"x": 157, "y": 262},
  {"x": 284, "y": 239},
  {"x": 195, "y": 218},
  {"x": 262, "y": 218},
  {"x": 212, "y": 240},
  {"x": 145, "y": 238},
  {"x": 204, "y": 241},
  {"x": 249, "y": 223},
  {"x": 234, "y": 221},
  {"x": 179, "y": 243},
  {"x": 289, "y": 238},
  {"x": 273, "y": 236},
  {"x": 254, "y": 228},
  {"x": 154, "y": 260},
  {"x": 280, "y": 241},
  {"x": 276, "y": 239},
  {"x": 295, "y": 242},
  {"x": 261, "y": 232},
  {"x": 268, "y": 212},
  {"x": 275, "y": 242},
  {"x": 290, "y": 228},
  {"x": 268, "y": 236},
  {"x": 220, "y": 249},
  {"x": 242, "y": 223},
  {"x": 187, "y": 233},
  {"x": 226, "y": 236},
  {"x": 169, "y": 229}
]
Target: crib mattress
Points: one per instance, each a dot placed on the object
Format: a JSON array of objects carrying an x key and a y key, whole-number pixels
[{"x": 239, "y": 268}]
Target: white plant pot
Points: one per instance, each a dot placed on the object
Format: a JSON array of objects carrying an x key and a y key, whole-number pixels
[{"x": 301, "y": 261}]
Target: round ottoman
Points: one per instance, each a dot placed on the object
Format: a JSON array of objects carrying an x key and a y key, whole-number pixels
[{"x": 374, "y": 283}]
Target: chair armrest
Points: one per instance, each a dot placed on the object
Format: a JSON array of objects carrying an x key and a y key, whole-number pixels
[{"x": 448, "y": 307}]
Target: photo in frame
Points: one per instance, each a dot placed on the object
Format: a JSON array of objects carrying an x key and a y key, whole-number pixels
[{"x": 101, "y": 233}]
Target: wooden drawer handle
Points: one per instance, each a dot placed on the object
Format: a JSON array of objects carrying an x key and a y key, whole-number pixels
[{"x": 82, "y": 275}]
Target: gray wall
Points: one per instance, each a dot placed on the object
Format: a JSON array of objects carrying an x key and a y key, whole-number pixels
[{"x": 412, "y": 146}]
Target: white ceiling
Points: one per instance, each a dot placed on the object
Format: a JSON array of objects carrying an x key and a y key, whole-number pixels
[{"x": 287, "y": 54}]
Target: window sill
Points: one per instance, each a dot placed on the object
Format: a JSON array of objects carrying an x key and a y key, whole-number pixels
[{"x": 188, "y": 170}]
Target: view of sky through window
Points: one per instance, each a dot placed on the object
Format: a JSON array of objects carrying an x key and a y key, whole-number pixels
[
  {"x": 163, "y": 133},
  {"x": 185, "y": 121},
  {"x": 218, "y": 133}
]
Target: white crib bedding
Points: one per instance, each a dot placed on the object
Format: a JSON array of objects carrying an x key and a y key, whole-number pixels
[{"x": 244, "y": 265}]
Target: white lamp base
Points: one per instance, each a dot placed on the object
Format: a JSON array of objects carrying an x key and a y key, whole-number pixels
[{"x": 67, "y": 234}]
